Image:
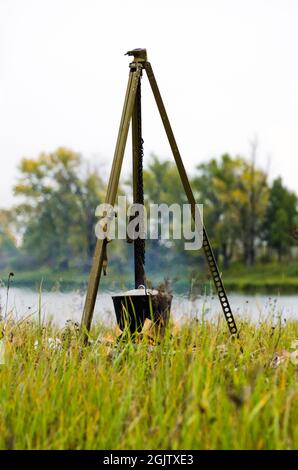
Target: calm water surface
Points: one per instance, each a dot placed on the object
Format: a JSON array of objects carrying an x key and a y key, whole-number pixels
[{"x": 61, "y": 306}]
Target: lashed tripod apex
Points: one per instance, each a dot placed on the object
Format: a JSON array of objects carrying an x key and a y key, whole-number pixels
[
  {"x": 139, "y": 54},
  {"x": 133, "y": 307}
]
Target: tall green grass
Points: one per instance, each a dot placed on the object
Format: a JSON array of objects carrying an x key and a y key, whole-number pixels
[{"x": 196, "y": 389}]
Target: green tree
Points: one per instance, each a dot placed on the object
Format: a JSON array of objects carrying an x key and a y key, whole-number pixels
[
  {"x": 162, "y": 182},
  {"x": 234, "y": 193},
  {"x": 162, "y": 185},
  {"x": 251, "y": 200},
  {"x": 8, "y": 244},
  {"x": 213, "y": 184},
  {"x": 58, "y": 209},
  {"x": 281, "y": 217}
]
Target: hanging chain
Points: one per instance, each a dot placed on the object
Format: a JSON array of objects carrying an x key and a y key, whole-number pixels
[{"x": 139, "y": 243}]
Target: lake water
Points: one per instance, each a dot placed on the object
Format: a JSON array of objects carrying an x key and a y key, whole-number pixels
[{"x": 61, "y": 306}]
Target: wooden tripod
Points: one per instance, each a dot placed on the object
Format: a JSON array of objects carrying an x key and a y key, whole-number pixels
[{"x": 130, "y": 109}]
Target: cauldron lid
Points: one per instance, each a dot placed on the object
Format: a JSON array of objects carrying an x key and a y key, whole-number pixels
[{"x": 135, "y": 292}]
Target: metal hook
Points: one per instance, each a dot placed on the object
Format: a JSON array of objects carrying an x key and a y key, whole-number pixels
[{"x": 142, "y": 286}]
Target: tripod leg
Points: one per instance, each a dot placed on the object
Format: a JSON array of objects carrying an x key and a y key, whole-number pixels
[
  {"x": 188, "y": 191},
  {"x": 97, "y": 262}
]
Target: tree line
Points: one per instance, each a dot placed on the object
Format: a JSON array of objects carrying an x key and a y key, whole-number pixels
[{"x": 248, "y": 218}]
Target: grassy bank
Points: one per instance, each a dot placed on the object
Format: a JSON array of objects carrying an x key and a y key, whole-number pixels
[
  {"x": 197, "y": 389},
  {"x": 271, "y": 278}
]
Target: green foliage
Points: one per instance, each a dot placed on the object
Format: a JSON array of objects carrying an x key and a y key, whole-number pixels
[
  {"x": 235, "y": 195},
  {"x": 54, "y": 223},
  {"x": 281, "y": 218},
  {"x": 162, "y": 183},
  {"x": 59, "y": 210},
  {"x": 214, "y": 186},
  {"x": 8, "y": 246}
]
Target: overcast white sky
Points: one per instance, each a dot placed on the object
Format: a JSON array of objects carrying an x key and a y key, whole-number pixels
[{"x": 227, "y": 70}]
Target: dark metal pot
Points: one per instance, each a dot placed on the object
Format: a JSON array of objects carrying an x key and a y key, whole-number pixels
[{"x": 133, "y": 307}]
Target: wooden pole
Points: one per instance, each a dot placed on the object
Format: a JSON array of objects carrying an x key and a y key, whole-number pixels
[{"x": 97, "y": 262}]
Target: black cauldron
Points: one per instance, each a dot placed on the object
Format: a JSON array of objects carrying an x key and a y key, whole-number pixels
[{"x": 134, "y": 306}]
